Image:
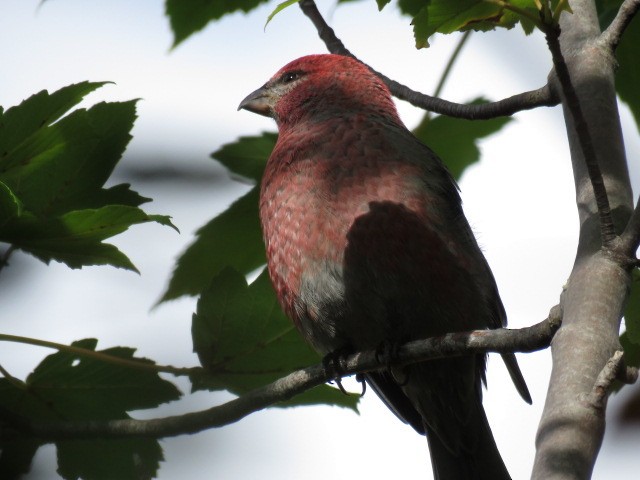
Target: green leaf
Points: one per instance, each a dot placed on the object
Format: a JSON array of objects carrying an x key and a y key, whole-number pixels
[
  {"x": 10, "y": 205},
  {"x": 447, "y": 16},
  {"x": 233, "y": 238},
  {"x": 382, "y": 4},
  {"x": 62, "y": 167},
  {"x": 128, "y": 459},
  {"x": 65, "y": 386},
  {"x": 190, "y": 16},
  {"x": 628, "y": 74},
  {"x": 247, "y": 156},
  {"x": 412, "y": 7},
  {"x": 244, "y": 341},
  {"x": 455, "y": 140},
  {"x": 75, "y": 237},
  {"x": 279, "y": 8},
  {"x": 38, "y": 111}
]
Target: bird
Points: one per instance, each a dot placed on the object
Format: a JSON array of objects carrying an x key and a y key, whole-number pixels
[{"x": 368, "y": 246}]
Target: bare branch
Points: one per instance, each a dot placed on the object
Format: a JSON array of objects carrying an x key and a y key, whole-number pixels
[
  {"x": 527, "y": 339},
  {"x": 612, "y": 35},
  {"x": 607, "y": 229},
  {"x": 542, "y": 97}
]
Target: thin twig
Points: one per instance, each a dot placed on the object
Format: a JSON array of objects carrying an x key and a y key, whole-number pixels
[
  {"x": 527, "y": 339},
  {"x": 607, "y": 229},
  {"x": 542, "y": 97},
  {"x": 612, "y": 35},
  {"x": 103, "y": 357}
]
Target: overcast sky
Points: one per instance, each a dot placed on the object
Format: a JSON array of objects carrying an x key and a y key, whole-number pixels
[{"x": 520, "y": 201}]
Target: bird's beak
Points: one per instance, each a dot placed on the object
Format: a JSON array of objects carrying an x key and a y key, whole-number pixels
[{"x": 258, "y": 101}]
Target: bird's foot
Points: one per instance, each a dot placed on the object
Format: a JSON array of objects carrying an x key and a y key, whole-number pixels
[
  {"x": 334, "y": 366},
  {"x": 387, "y": 354}
]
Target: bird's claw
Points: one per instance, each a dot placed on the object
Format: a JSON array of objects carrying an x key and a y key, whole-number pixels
[
  {"x": 387, "y": 354},
  {"x": 333, "y": 364}
]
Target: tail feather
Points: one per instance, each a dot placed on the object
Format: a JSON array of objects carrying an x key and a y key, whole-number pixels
[
  {"x": 516, "y": 376},
  {"x": 482, "y": 463}
]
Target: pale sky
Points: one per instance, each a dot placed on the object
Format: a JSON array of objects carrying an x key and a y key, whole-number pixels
[{"x": 519, "y": 201}]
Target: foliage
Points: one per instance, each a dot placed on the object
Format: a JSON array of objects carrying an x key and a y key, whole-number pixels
[
  {"x": 66, "y": 386},
  {"x": 54, "y": 163},
  {"x": 52, "y": 171}
]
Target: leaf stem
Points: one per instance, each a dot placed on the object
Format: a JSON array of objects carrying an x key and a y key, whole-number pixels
[
  {"x": 450, "y": 63},
  {"x": 103, "y": 357}
]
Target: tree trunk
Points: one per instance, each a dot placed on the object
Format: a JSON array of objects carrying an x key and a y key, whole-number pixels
[{"x": 572, "y": 425}]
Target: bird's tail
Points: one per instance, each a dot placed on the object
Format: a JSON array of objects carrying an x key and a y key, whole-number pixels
[{"x": 483, "y": 462}]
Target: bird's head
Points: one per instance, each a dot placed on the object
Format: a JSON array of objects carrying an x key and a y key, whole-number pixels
[{"x": 320, "y": 86}]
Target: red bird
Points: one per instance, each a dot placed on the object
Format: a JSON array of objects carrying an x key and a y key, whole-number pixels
[{"x": 367, "y": 245}]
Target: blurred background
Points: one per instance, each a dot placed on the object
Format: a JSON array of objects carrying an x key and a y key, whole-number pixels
[{"x": 519, "y": 199}]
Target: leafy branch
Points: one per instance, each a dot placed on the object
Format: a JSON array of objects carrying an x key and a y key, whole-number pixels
[
  {"x": 544, "y": 96},
  {"x": 527, "y": 339}
]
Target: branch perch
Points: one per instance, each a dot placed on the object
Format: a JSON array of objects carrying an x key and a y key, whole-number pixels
[
  {"x": 542, "y": 97},
  {"x": 527, "y": 339}
]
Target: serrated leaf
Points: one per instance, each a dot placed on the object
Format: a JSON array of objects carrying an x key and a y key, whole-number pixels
[
  {"x": 455, "y": 139},
  {"x": 233, "y": 238},
  {"x": 247, "y": 156},
  {"x": 244, "y": 340},
  {"x": 190, "y": 16},
  {"x": 38, "y": 111},
  {"x": 278, "y": 9},
  {"x": 447, "y": 16},
  {"x": 65, "y": 386},
  {"x": 63, "y": 167},
  {"x": 75, "y": 237}
]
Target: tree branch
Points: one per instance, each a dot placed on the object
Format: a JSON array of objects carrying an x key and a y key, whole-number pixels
[
  {"x": 542, "y": 97},
  {"x": 612, "y": 370},
  {"x": 527, "y": 339},
  {"x": 612, "y": 35},
  {"x": 607, "y": 229}
]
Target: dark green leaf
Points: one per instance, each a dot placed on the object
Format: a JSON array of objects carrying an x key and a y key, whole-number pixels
[
  {"x": 62, "y": 167},
  {"x": 382, "y": 4},
  {"x": 247, "y": 156},
  {"x": 126, "y": 459},
  {"x": 279, "y": 8},
  {"x": 455, "y": 140},
  {"x": 245, "y": 341},
  {"x": 233, "y": 238},
  {"x": 75, "y": 237},
  {"x": 16, "y": 456},
  {"x": 10, "y": 205},
  {"x": 66, "y": 386},
  {"x": 38, "y": 111},
  {"x": 412, "y": 7},
  {"x": 190, "y": 16}
]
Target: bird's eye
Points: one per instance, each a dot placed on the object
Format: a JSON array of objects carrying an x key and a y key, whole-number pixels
[{"x": 289, "y": 77}]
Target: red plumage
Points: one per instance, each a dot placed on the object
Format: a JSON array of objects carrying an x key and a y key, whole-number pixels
[{"x": 367, "y": 245}]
